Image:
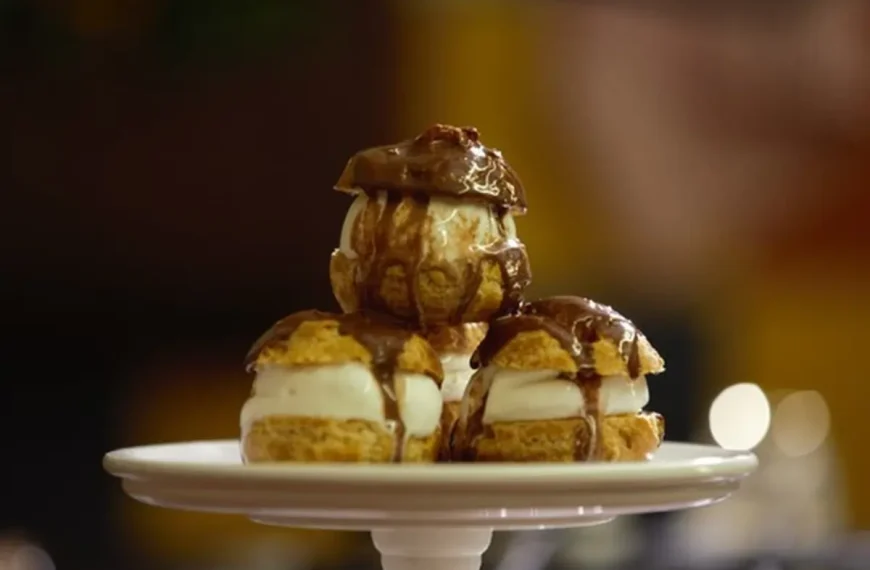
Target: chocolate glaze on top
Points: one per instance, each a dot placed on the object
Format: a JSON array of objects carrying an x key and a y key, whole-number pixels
[
  {"x": 576, "y": 323},
  {"x": 442, "y": 160},
  {"x": 383, "y": 338}
]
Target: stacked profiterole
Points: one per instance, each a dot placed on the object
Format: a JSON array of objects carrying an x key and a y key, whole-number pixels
[
  {"x": 563, "y": 379},
  {"x": 428, "y": 256},
  {"x": 436, "y": 355}
]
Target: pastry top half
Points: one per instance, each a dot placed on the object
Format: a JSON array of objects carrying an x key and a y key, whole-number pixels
[
  {"x": 443, "y": 160},
  {"x": 571, "y": 335},
  {"x": 317, "y": 338},
  {"x": 456, "y": 339},
  {"x": 565, "y": 377}
]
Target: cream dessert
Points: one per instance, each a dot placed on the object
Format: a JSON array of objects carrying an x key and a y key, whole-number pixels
[
  {"x": 563, "y": 379},
  {"x": 457, "y": 373},
  {"x": 343, "y": 392},
  {"x": 353, "y": 387},
  {"x": 430, "y": 237},
  {"x": 526, "y": 395}
]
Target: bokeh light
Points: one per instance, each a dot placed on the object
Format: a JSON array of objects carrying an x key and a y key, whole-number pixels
[
  {"x": 16, "y": 554},
  {"x": 801, "y": 423},
  {"x": 740, "y": 417}
]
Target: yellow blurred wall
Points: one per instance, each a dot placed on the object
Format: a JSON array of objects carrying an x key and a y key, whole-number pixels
[
  {"x": 471, "y": 63},
  {"x": 801, "y": 319}
]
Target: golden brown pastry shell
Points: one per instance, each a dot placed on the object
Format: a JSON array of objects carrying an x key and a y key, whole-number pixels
[
  {"x": 537, "y": 349},
  {"x": 440, "y": 291},
  {"x": 456, "y": 339},
  {"x": 627, "y": 437},
  {"x": 321, "y": 342},
  {"x": 298, "y": 439}
]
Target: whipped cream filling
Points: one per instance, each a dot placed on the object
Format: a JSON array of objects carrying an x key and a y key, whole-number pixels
[
  {"x": 453, "y": 225},
  {"x": 527, "y": 395},
  {"x": 342, "y": 392},
  {"x": 457, "y": 373}
]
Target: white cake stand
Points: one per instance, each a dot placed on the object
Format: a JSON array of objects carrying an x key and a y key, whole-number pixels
[{"x": 426, "y": 517}]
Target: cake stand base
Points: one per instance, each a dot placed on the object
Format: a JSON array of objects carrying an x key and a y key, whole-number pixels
[
  {"x": 430, "y": 540},
  {"x": 432, "y": 549},
  {"x": 426, "y": 517}
]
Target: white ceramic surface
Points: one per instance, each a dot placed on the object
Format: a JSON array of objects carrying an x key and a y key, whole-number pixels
[{"x": 426, "y": 516}]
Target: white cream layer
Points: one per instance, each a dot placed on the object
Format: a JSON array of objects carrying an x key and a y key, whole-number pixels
[
  {"x": 526, "y": 395},
  {"x": 457, "y": 373},
  {"x": 477, "y": 223},
  {"x": 342, "y": 392}
]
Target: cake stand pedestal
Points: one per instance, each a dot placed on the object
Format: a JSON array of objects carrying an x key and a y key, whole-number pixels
[
  {"x": 426, "y": 517},
  {"x": 431, "y": 549}
]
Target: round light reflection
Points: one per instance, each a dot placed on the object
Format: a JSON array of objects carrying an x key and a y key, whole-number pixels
[
  {"x": 20, "y": 555},
  {"x": 801, "y": 423},
  {"x": 740, "y": 417}
]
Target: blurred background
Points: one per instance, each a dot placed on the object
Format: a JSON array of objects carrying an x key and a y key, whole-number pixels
[{"x": 166, "y": 175}]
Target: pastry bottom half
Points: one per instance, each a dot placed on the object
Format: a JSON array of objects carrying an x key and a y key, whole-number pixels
[
  {"x": 627, "y": 437},
  {"x": 303, "y": 439},
  {"x": 449, "y": 419}
]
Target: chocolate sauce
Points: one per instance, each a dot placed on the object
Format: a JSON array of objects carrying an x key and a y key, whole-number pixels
[
  {"x": 387, "y": 240},
  {"x": 475, "y": 427},
  {"x": 478, "y": 394},
  {"x": 396, "y": 241},
  {"x": 443, "y": 160},
  {"x": 586, "y": 449},
  {"x": 383, "y": 338},
  {"x": 513, "y": 262},
  {"x": 576, "y": 323}
]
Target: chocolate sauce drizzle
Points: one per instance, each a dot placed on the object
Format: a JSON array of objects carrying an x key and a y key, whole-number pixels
[
  {"x": 477, "y": 395},
  {"x": 383, "y": 338},
  {"x": 400, "y": 241},
  {"x": 577, "y": 324},
  {"x": 442, "y": 160}
]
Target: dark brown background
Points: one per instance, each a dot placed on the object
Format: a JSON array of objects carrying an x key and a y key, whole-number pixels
[{"x": 166, "y": 177}]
